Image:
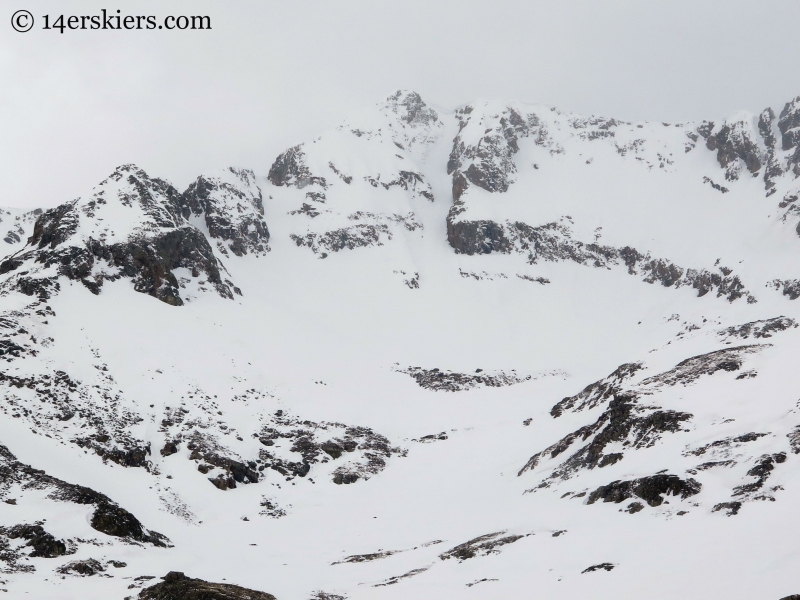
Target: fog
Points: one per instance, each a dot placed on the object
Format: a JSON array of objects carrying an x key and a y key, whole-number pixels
[{"x": 269, "y": 75}]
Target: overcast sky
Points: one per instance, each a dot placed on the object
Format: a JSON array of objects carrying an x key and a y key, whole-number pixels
[{"x": 272, "y": 74}]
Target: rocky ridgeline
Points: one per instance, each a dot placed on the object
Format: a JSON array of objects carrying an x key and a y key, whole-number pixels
[
  {"x": 357, "y": 187},
  {"x": 735, "y": 142},
  {"x": 482, "y": 156},
  {"x": 483, "y": 150},
  {"x": 746, "y": 142},
  {"x": 491, "y": 134},
  {"x": 630, "y": 420},
  {"x": 82, "y": 241},
  {"x": 135, "y": 227}
]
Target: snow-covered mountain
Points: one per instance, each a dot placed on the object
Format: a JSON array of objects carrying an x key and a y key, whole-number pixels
[{"x": 494, "y": 352}]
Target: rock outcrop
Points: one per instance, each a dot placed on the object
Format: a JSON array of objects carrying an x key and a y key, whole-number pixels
[
  {"x": 41, "y": 543},
  {"x": 481, "y": 546},
  {"x": 449, "y": 381},
  {"x": 553, "y": 242},
  {"x": 652, "y": 489},
  {"x": 231, "y": 207},
  {"x": 177, "y": 586},
  {"x": 735, "y": 141},
  {"x": 108, "y": 516}
]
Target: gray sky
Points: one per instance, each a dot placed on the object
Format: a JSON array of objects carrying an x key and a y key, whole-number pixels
[{"x": 272, "y": 74}]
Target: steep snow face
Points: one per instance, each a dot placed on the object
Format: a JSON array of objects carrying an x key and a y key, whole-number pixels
[
  {"x": 361, "y": 184},
  {"x": 539, "y": 345}
]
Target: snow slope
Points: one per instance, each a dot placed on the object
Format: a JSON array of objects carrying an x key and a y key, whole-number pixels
[{"x": 495, "y": 352}]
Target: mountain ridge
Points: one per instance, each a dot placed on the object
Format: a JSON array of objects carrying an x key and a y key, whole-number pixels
[{"x": 426, "y": 331}]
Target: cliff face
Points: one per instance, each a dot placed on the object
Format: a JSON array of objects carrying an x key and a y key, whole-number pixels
[{"x": 231, "y": 206}]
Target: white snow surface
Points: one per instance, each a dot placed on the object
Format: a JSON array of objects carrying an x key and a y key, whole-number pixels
[{"x": 322, "y": 332}]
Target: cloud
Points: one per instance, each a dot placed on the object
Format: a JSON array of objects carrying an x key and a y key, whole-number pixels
[{"x": 270, "y": 74}]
